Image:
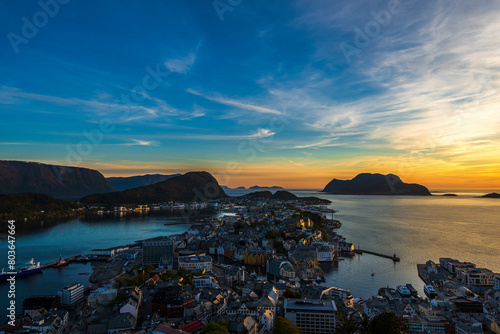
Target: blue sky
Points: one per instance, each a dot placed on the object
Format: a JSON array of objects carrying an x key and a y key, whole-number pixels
[{"x": 286, "y": 92}]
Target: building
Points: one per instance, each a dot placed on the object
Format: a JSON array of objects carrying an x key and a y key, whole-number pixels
[
  {"x": 54, "y": 322},
  {"x": 476, "y": 278},
  {"x": 71, "y": 295},
  {"x": 235, "y": 275},
  {"x": 104, "y": 296},
  {"x": 155, "y": 249},
  {"x": 431, "y": 325},
  {"x": 196, "y": 262},
  {"x": 497, "y": 282},
  {"x": 452, "y": 265},
  {"x": 312, "y": 316},
  {"x": 205, "y": 281}
]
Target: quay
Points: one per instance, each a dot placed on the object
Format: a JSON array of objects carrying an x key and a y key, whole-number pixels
[
  {"x": 393, "y": 258},
  {"x": 74, "y": 259}
]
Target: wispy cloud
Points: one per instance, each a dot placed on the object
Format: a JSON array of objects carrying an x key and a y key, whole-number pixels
[
  {"x": 236, "y": 104},
  {"x": 181, "y": 65},
  {"x": 138, "y": 142},
  {"x": 262, "y": 133}
]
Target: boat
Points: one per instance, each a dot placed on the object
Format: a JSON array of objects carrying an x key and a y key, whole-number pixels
[
  {"x": 373, "y": 274},
  {"x": 404, "y": 291},
  {"x": 60, "y": 263},
  {"x": 429, "y": 291},
  {"x": 30, "y": 268},
  {"x": 319, "y": 279},
  {"x": 83, "y": 273},
  {"x": 413, "y": 291}
]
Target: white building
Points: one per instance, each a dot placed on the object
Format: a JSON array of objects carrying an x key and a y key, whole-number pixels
[
  {"x": 475, "y": 278},
  {"x": 71, "y": 295},
  {"x": 204, "y": 281},
  {"x": 103, "y": 296},
  {"x": 196, "y": 262}
]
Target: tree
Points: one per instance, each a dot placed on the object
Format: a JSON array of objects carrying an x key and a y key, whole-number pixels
[
  {"x": 388, "y": 323},
  {"x": 284, "y": 326},
  {"x": 215, "y": 328},
  {"x": 347, "y": 326}
]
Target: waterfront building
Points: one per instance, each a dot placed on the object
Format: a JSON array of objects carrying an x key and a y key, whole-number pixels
[
  {"x": 196, "y": 262},
  {"x": 476, "y": 278},
  {"x": 314, "y": 316},
  {"x": 71, "y": 295},
  {"x": 497, "y": 282},
  {"x": 153, "y": 250},
  {"x": 451, "y": 264}
]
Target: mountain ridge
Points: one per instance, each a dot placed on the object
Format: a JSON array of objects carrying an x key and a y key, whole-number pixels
[
  {"x": 135, "y": 181},
  {"x": 54, "y": 180},
  {"x": 189, "y": 187}
]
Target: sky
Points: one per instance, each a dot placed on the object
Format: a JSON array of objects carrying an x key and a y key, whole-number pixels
[{"x": 291, "y": 93}]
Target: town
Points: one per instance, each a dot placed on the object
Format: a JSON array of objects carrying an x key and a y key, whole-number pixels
[{"x": 252, "y": 269}]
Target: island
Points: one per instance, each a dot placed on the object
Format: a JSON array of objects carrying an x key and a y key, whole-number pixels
[
  {"x": 375, "y": 184},
  {"x": 492, "y": 195}
]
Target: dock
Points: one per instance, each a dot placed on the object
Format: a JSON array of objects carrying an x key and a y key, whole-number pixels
[
  {"x": 73, "y": 259},
  {"x": 393, "y": 258}
]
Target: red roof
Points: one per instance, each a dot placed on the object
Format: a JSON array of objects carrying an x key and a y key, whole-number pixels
[
  {"x": 193, "y": 326},
  {"x": 168, "y": 330}
]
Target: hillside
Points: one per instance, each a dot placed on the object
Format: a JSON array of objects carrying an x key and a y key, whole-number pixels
[
  {"x": 124, "y": 183},
  {"x": 189, "y": 187},
  {"x": 375, "y": 184},
  {"x": 29, "y": 205},
  {"x": 54, "y": 180}
]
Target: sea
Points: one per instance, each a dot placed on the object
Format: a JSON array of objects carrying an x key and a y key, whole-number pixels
[{"x": 415, "y": 228}]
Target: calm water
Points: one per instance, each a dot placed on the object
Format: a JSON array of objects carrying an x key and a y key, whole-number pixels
[{"x": 415, "y": 228}]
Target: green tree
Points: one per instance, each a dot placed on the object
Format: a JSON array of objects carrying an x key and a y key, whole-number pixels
[
  {"x": 215, "y": 328},
  {"x": 347, "y": 325},
  {"x": 388, "y": 323},
  {"x": 284, "y": 326}
]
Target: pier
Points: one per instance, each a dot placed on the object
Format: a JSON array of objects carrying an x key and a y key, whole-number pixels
[{"x": 393, "y": 258}]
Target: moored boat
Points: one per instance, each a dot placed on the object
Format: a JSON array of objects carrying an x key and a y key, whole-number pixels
[
  {"x": 429, "y": 291},
  {"x": 30, "y": 268},
  {"x": 60, "y": 263}
]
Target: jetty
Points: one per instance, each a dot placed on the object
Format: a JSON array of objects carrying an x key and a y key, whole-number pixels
[{"x": 393, "y": 257}]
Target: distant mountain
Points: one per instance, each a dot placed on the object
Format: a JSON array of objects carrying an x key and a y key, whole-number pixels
[
  {"x": 238, "y": 188},
  {"x": 54, "y": 180},
  {"x": 285, "y": 196},
  {"x": 492, "y": 195},
  {"x": 29, "y": 205},
  {"x": 190, "y": 187},
  {"x": 259, "y": 187},
  {"x": 124, "y": 183},
  {"x": 450, "y": 195},
  {"x": 375, "y": 184}
]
